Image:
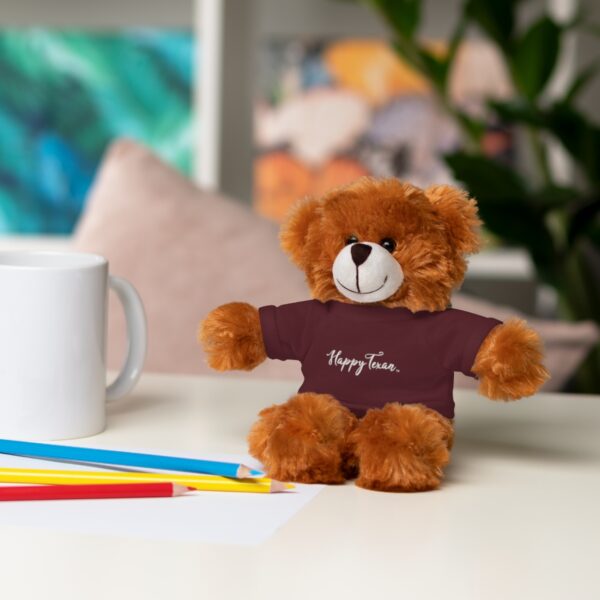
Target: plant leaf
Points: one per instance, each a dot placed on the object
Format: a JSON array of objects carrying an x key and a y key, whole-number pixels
[
  {"x": 584, "y": 219},
  {"x": 555, "y": 196},
  {"x": 436, "y": 68},
  {"x": 409, "y": 53},
  {"x": 475, "y": 127},
  {"x": 507, "y": 207},
  {"x": 455, "y": 42},
  {"x": 486, "y": 177},
  {"x": 579, "y": 136},
  {"x": 495, "y": 17},
  {"x": 517, "y": 111},
  {"x": 456, "y": 39},
  {"x": 533, "y": 56},
  {"x": 580, "y": 81},
  {"x": 403, "y": 16}
]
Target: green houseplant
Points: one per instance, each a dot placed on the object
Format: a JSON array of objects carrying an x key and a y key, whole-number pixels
[{"x": 559, "y": 225}]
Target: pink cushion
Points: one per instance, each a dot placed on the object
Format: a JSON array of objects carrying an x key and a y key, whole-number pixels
[{"x": 187, "y": 251}]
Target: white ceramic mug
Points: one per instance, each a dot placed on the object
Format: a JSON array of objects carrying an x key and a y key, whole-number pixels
[{"x": 52, "y": 344}]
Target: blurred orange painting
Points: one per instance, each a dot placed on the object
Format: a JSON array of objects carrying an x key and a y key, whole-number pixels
[{"x": 330, "y": 111}]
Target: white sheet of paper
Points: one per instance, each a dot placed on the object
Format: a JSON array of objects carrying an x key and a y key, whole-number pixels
[{"x": 212, "y": 517}]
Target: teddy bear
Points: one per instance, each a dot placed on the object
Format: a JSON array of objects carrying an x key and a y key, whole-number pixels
[{"x": 378, "y": 342}]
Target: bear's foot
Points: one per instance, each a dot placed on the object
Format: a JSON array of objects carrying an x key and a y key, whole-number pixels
[
  {"x": 402, "y": 448},
  {"x": 304, "y": 440}
]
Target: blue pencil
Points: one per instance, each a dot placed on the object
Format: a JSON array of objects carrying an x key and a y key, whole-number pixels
[{"x": 126, "y": 459}]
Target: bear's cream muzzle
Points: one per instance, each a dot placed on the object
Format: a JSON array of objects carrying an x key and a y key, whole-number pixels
[{"x": 365, "y": 272}]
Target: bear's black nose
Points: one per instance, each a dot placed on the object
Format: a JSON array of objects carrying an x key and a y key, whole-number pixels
[{"x": 360, "y": 253}]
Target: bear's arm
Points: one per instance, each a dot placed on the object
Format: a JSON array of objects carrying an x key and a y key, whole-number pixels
[
  {"x": 509, "y": 362},
  {"x": 231, "y": 336}
]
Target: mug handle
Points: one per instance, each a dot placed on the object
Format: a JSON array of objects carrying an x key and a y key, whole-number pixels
[{"x": 136, "y": 338}]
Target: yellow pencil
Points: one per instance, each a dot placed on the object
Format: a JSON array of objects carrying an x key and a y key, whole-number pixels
[{"x": 212, "y": 483}]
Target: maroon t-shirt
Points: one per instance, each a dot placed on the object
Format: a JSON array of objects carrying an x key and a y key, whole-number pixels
[{"x": 367, "y": 356}]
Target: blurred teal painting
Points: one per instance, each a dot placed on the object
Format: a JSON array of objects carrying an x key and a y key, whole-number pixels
[{"x": 65, "y": 95}]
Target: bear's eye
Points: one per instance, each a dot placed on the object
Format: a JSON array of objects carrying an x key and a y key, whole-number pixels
[
  {"x": 388, "y": 243},
  {"x": 351, "y": 240}
]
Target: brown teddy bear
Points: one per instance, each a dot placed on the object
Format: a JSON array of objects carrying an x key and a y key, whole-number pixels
[{"x": 378, "y": 344}]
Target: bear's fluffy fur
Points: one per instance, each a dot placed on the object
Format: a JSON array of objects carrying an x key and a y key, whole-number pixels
[{"x": 312, "y": 437}]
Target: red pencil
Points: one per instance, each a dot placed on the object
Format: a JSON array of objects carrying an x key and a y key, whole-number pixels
[{"x": 86, "y": 492}]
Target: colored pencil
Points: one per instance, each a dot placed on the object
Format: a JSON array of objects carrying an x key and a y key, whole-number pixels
[
  {"x": 198, "y": 482},
  {"x": 126, "y": 459},
  {"x": 90, "y": 492}
]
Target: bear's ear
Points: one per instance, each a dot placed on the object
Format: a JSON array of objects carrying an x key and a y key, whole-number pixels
[
  {"x": 295, "y": 228},
  {"x": 459, "y": 213}
]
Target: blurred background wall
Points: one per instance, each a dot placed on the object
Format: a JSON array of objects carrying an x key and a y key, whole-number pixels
[
  {"x": 270, "y": 100},
  {"x": 249, "y": 25}
]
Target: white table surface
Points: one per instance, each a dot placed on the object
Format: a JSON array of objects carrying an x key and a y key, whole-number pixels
[{"x": 518, "y": 516}]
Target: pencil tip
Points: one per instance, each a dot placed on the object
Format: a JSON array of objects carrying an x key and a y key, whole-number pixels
[
  {"x": 279, "y": 486},
  {"x": 180, "y": 490},
  {"x": 244, "y": 472}
]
